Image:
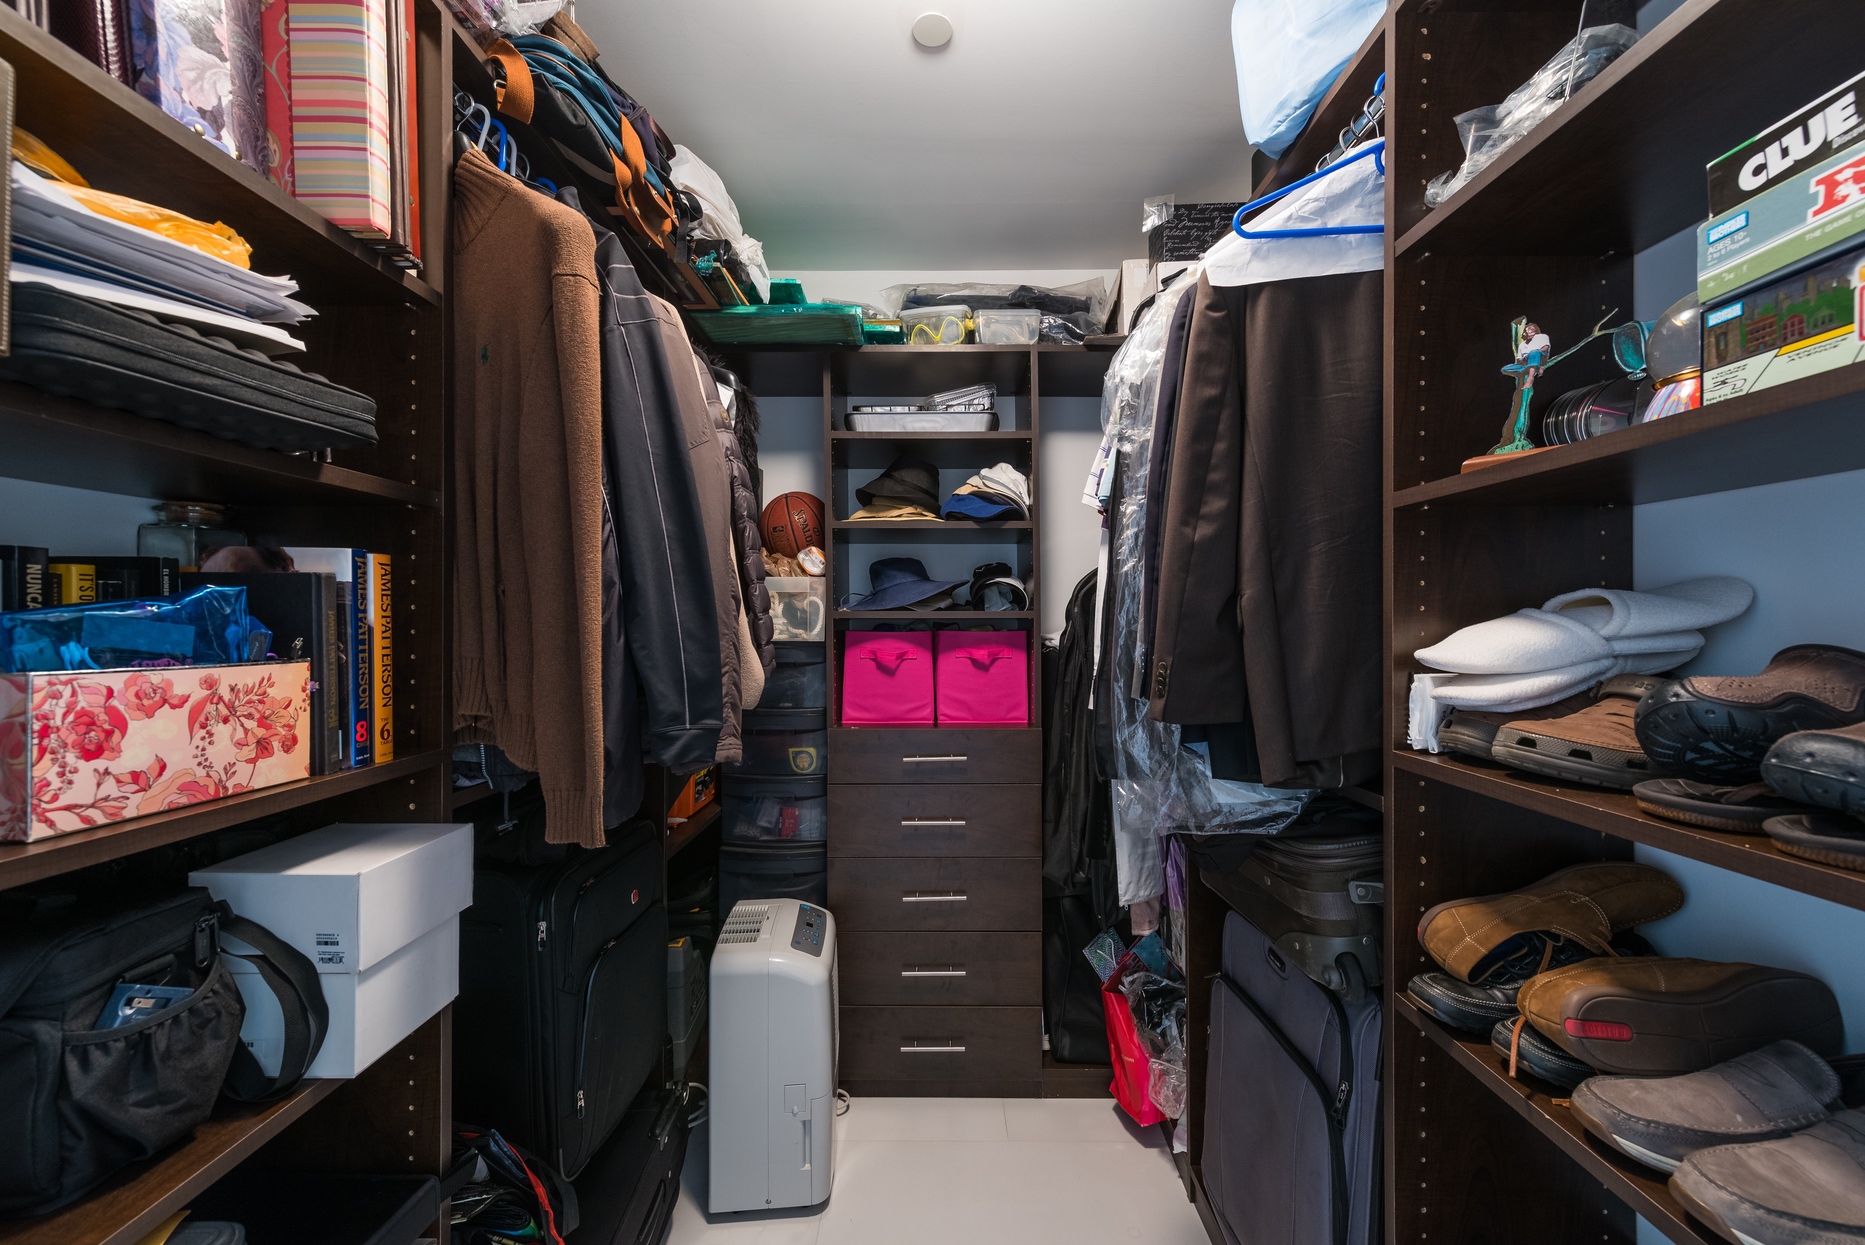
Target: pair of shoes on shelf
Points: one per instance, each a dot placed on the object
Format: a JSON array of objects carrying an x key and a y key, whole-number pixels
[
  {"x": 1798, "y": 728},
  {"x": 1545, "y": 972},
  {"x": 1759, "y": 1148},
  {"x": 1586, "y": 738}
]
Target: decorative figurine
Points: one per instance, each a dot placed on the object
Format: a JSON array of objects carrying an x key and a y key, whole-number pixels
[{"x": 1531, "y": 349}]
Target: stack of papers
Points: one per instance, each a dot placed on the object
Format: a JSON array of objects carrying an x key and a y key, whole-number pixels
[{"x": 57, "y": 241}]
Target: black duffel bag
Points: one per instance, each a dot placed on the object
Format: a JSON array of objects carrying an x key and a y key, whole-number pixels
[{"x": 79, "y": 1102}]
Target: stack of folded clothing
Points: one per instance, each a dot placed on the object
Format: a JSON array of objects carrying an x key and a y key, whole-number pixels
[
  {"x": 128, "y": 305},
  {"x": 999, "y": 492}
]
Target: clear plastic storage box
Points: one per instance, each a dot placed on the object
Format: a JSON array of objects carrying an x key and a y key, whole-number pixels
[
  {"x": 776, "y": 810},
  {"x": 1008, "y": 326},
  {"x": 799, "y": 606},
  {"x": 948, "y": 325}
]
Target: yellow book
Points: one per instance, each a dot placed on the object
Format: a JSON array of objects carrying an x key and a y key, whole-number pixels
[
  {"x": 382, "y": 627},
  {"x": 77, "y": 582}
]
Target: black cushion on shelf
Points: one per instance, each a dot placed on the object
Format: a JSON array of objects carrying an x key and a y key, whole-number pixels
[{"x": 130, "y": 361}]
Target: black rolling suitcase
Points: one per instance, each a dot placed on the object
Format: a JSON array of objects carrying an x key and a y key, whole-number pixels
[
  {"x": 626, "y": 1194},
  {"x": 562, "y": 1013},
  {"x": 1292, "y": 1102}
]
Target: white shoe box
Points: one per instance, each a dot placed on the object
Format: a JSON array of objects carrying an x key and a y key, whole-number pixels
[{"x": 376, "y": 907}]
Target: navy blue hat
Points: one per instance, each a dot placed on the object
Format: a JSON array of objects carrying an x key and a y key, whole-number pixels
[
  {"x": 978, "y": 506},
  {"x": 899, "y": 582}
]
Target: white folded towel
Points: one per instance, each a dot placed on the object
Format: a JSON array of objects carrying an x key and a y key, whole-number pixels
[
  {"x": 1687, "y": 606},
  {"x": 1425, "y": 714}
]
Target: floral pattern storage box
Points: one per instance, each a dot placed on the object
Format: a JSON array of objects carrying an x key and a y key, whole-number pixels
[{"x": 81, "y": 749}]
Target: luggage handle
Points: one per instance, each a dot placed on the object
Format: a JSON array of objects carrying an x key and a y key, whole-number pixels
[
  {"x": 934, "y": 760},
  {"x": 1372, "y": 893},
  {"x": 946, "y": 1046},
  {"x": 934, "y": 897},
  {"x": 932, "y": 972},
  {"x": 931, "y": 821}
]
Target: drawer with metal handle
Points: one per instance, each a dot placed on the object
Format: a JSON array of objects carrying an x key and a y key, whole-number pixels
[
  {"x": 940, "y": 1043},
  {"x": 927, "y": 756},
  {"x": 935, "y": 819},
  {"x": 923, "y": 969},
  {"x": 936, "y": 893}
]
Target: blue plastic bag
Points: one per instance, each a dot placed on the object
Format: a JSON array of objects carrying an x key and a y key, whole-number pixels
[
  {"x": 1288, "y": 54},
  {"x": 204, "y": 627}
]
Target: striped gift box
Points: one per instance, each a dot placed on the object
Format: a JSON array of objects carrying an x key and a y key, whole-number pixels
[{"x": 340, "y": 112}]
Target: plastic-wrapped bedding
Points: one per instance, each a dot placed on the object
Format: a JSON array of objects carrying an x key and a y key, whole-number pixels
[{"x": 1160, "y": 784}]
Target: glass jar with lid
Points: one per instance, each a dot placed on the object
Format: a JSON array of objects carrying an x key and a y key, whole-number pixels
[{"x": 183, "y": 530}]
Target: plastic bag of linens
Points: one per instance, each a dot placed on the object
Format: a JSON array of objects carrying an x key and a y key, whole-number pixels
[
  {"x": 1070, "y": 312},
  {"x": 204, "y": 627},
  {"x": 1488, "y": 132},
  {"x": 1161, "y": 784},
  {"x": 1288, "y": 54}
]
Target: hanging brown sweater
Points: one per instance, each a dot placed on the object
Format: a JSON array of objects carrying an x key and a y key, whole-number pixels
[{"x": 527, "y": 506}]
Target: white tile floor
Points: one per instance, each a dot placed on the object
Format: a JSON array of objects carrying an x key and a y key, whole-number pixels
[{"x": 971, "y": 1171}]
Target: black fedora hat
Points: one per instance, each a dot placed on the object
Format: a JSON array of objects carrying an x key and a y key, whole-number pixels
[{"x": 906, "y": 479}]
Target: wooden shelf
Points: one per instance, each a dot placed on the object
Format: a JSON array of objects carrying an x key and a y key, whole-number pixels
[
  {"x": 1643, "y": 1190},
  {"x": 679, "y": 836},
  {"x": 1620, "y": 166},
  {"x": 95, "y": 122},
  {"x": 1011, "y": 435},
  {"x": 1616, "y": 813},
  {"x": 967, "y": 527},
  {"x": 21, "y": 863},
  {"x": 136, "y": 1202},
  {"x": 947, "y": 615},
  {"x": 59, "y": 441},
  {"x": 1806, "y": 428}
]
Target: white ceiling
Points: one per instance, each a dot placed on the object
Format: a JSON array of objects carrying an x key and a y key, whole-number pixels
[{"x": 1028, "y": 141}]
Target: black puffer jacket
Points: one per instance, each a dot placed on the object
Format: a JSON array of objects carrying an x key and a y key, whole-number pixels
[{"x": 750, "y": 551}]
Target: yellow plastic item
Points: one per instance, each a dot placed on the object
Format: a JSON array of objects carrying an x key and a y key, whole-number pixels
[
  {"x": 166, "y": 1230},
  {"x": 216, "y": 239},
  {"x": 42, "y": 160}
]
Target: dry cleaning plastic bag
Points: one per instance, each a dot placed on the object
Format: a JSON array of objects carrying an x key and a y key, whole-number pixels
[{"x": 1288, "y": 54}]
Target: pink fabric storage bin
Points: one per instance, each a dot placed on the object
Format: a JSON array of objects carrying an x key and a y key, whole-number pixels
[
  {"x": 887, "y": 678},
  {"x": 982, "y": 677}
]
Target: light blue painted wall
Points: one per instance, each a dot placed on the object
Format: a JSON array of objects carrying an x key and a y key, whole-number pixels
[{"x": 70, "y": 520}]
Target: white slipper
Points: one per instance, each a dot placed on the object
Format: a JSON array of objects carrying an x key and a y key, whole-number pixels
[
  {"x": 1509, "y": 692},
  {"x": 1526, "y": 640},
  {"x": 1687, "y": 606}
]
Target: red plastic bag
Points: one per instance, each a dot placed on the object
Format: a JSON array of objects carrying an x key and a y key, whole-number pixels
[{"x": 1132, "y": 1084}]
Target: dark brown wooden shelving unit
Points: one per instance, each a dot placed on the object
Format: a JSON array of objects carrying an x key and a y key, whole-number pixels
[
  {"x": 678, "y": 836},
  {"x": 1549, "y": 230},
  {"x": 382, "y": 331},
  {"x": 125, "y": 1211},
  {"x": 1642, "y": 1190}
]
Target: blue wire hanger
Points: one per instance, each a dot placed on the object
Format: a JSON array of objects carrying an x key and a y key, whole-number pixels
[{"x": 1375, "y": 150}]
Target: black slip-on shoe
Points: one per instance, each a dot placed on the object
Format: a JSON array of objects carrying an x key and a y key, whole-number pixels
[{"x": 1822, "y": 768}]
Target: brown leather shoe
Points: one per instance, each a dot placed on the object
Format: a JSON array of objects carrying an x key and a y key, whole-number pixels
[
  {"x": 1473, "y": 731},
  {"x": 1586, "y": 904},
  {"x": 1717, "y": 730},
  {"x": 1595, "y": 744},
  {"x": 1656, "y": 1016}
]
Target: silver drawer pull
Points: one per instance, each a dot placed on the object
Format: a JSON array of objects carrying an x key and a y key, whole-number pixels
[
  {"x": 949, "y": 1048},
  {"x": 932, "y": 821},
  {"x": 934, "y": 897},
  {"x": 933, "y": 760},
  {"x": 932, "y": 972}
]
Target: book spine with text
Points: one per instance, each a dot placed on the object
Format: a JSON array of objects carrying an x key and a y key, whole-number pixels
[
  {"x": 362, "y": 662},
  {"x": 382, "y": 637}
]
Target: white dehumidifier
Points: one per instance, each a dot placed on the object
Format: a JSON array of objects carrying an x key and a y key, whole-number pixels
[{"x": 771, "y": 1085}]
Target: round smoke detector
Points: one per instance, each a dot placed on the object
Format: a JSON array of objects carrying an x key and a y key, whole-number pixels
[{"x": 932, "y": 30}]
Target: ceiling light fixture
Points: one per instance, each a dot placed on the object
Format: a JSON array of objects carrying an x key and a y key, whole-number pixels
[{"x": 932, "y": 30}]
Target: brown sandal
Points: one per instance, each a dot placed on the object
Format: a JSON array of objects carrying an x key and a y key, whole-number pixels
[
  {"x": 1595, "y": 745},
  {"x": 1737, "y": 809}
]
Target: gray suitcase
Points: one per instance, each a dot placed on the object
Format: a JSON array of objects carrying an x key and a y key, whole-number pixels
[{"x": 1292, "y": 1112}]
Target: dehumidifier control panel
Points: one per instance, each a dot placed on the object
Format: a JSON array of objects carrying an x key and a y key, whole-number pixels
[{"x": 808, "y": 935}]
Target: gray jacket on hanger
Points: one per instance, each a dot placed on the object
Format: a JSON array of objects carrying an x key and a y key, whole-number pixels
[{"x": 668, "y": 613}]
